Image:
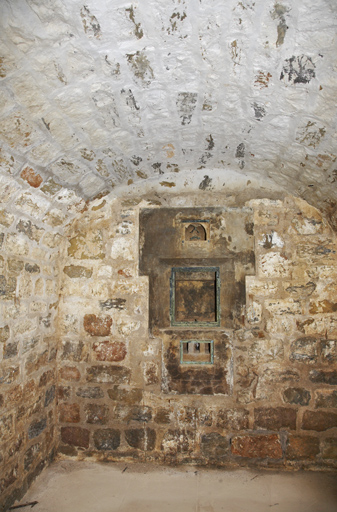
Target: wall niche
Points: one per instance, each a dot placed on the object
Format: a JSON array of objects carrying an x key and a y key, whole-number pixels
[{"x": 197, "y": 260}]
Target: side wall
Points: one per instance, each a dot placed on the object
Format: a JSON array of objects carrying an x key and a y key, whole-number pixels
[
  {"x": 29, "y": 249},
  {"x": 282, "y": 406}
]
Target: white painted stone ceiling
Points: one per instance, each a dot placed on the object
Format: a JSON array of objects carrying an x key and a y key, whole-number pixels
[{"x": 106, "y": 93}]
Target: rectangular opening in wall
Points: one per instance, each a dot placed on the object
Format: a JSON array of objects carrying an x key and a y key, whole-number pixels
[
  {"x": 195, "y": 296},
  {"x": 196, "y": 352}
]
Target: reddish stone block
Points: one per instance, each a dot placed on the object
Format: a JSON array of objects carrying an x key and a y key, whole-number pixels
[
  {"x": 70, "y": 373},
  {"x": 32, "y": 178},
  {"x": 258, "y": 446},
  {"x": 329, "y": 448},
  {"x": 302, "y": 448},
  {"x": 319, "y": 420},
  {"x": 69, "y": 413},
  {"x": 275, "y": 418},
  {"x": 97, "y": 325},
  {"x": 109, "y": 351},
  {"x": 75, "y": 436},
  {"x": 97, "y": 414}
]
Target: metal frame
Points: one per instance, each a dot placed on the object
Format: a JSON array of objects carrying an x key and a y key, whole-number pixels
[
  {"x": 211, "y": 342},
  {"x": 191, "y": 270}
]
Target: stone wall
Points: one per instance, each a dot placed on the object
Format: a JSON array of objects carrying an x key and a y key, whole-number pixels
[
  {"x": 30, "y": 236},
  {"x": 281, "y": 407}
]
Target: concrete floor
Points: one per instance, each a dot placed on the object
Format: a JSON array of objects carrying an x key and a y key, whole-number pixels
[{"x": 69, "y": 486}]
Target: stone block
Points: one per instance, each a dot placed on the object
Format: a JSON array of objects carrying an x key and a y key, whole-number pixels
[
  {"x": 77, "y": 271},
  {"x": 141, "y": 438},
  {"x": 63, "y": 393},
  {"x": 111, "y": 374},
  {"x": 326, "y": 399},
  {"x": 324, "y": 377},
  {"x": 283, "y": 307},
  {"x": 214, "y": 447},
  {"x": 70, "y": 373},
  {"x": 257, "y": 446},
  {"x": 32, "y": 268},
  {"x": 4, "y": 333},
  {"x": 274, "y": 265},
  {"x": 7, "y": 287},
  {"x": 302, "y": 448},
  {"x": 134, "y": 396},
  {"x": 69, "y": 413},
  {"x": 109, "y": 350},
  {"x": 36, "y": 428},
  {"x": 6, "y": 427},
  {"x": 319, "y": 420},
  {"x": 15, "y": 265},
  {"x": 107, "y": 439},
  {"x": 230, "y": 420},
  {"x": 162, "y": 416},
  {"x": 304, "y": 350},
  {"x": 75, "y": 436},
  {"x": 151, "y": 373},
  {"x": 87, "y": 246},
  {"x": 97, "y": 326},
  {"x": 92, "y": 392},
  {"x": 329, "y": 351},
  {"x": 329, "y": 448},
  {"x": 178, "y": 441},
  {"x": 275, "y": 418},
  {"x": 133, "y": 413},
  {"x": 16, "y": 244},
  {"x": 97, "y": 414},
  {"x": 73, "y": 351},
  {"x": 31, "y": 455},
  {"x": 117, "y": 303},
  {"x": 49, "y": 395},
  {"x": 297, "y": 396}
]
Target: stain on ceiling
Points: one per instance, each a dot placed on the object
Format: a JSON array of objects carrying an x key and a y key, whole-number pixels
[{"x": 104, "y": 94}]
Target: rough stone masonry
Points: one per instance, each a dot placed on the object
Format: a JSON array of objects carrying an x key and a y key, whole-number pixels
[{"x": 109, "y": 109}]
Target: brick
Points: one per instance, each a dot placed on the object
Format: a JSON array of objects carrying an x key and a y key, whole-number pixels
[
  {"x": 111, "y": 374},
  {"x": 302, "y": 448},
  {"x": 324, "y": 377},
  {"x": 296, "y": 396},
  {"x": 257, "y": 446},
  {"x": 97, "y": 326},
  {"x": 109, "y": 351},
  {"x": 319, "y": 420},
  {"x": 97, "y": 414},
  {"x": 275, "y": 418},
  {"x": 75, "y": 436},
  {"x": 70, "y": 373},
  {"x": 69, "y": 413},
  {"x": 141, "y": 438},
  {"x": 214, "y": 447},
  {"x": 107, "y": 439}
]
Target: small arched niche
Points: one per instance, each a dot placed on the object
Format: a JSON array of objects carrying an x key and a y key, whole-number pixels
[{"x": 195, "y": 232}]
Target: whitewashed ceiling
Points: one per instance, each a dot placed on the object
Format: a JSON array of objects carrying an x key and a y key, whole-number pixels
[{"x": 104, "y": 93}]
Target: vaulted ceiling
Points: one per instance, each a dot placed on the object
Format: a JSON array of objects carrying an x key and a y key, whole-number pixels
[{"x": 108, "y": 93}]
